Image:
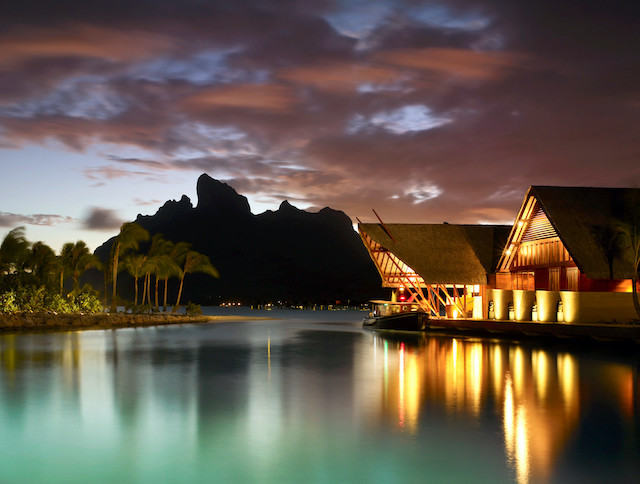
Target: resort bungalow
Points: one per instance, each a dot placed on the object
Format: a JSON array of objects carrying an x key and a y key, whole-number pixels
[
  {"x": 444, "y": 269},
  {"x": 568, "y": 257}
]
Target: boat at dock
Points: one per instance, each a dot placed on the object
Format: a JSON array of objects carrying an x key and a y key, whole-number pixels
[{"x": 398, "y": 316}]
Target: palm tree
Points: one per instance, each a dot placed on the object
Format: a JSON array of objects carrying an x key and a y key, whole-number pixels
[
  {"x": 177, "y": 253},
  {"x": 134, "y": 265},
  {"x": 195, "y": 262},
  {"x": 159, "y": 247},
  {"x": 78, "y": 259},
  {"x": 14, "y": 252},
  {"x": 129, "y": 238},
  {"x": 43, "y": 263}
]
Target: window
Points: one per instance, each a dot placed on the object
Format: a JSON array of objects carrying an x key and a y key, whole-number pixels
[
  {"x": 573, "y": 279},
  {"x": 554, "y": 278},
  {"x": 524, "y": 280}
]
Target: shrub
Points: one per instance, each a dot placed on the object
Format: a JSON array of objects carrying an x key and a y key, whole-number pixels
[
  {"x": 87, "y": 302},
  {"x": 37, "y": 299},
  {"x": 193, "y": 309},
  {"x": 8, "y": 302},
  {"x": 57, "y": 303},
  {"x": 30, "y": 298}
]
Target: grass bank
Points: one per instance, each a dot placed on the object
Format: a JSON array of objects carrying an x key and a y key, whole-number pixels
[{"x": 19, "y": 322}]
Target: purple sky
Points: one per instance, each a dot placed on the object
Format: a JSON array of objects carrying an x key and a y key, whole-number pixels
[{"x": 426, "y": 111}]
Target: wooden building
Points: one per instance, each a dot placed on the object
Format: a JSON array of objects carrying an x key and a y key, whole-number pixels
[
  {"x": 562, "y": 261},
  {"x": 565, "y": 259},
  {"x": 443, "y": 268}
]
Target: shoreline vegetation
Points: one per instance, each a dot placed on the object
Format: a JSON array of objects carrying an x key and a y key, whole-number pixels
[
  {"x": 21, "y": 322},
  {"x": 35, "y": 292}
]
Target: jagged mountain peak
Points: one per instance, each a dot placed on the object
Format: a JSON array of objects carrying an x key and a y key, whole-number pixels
[{"x": 218, "y": 198}]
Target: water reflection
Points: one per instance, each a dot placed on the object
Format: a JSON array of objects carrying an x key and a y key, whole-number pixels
[
  {"x": 540, "y": 395},
  {"x": 284, "y": 402}
]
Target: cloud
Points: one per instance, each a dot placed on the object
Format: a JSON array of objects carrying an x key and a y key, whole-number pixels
[
  {"x": 78, "y": 40},
  {"x": 102, "y": 219},
  {"x": 403, "y": 120},
  {"x": 464, "y": 63},
  {"x": 8, "y": 219},
  {"x": 342, "y": 76},
  {"x": 262, "y": 97},
  {"x": 425, "y": 111}
]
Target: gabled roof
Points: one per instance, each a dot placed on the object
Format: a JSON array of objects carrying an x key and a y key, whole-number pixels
[
  {"x": 443, "y": 253},
  {"x": 585, "y": 220}
]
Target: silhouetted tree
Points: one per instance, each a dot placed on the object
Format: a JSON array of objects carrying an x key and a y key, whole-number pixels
[
  {"x": 134, "y": 265},
  {"x": 129, "y": 238},
  {"x": 195, "y": 262},
  {"x": 14, "y": 252},
  {"x": 43, "y": 263},
  {"x": 77, "y": 258},
  {"x": 177, "y": 253}
]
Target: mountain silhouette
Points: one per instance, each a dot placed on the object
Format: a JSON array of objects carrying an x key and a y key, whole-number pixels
[{"x": 287, "y": 255}]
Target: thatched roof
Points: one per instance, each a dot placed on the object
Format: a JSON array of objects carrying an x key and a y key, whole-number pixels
[
  {"x": 585, "y": 219},
  {"x": 443, "y": 253}
]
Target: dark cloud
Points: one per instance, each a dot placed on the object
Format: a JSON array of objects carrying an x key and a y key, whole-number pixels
[
  {"x": 102, "y": 219},
  {"x": 426, "y": 111},
  {"x": 13, "y": 219}
]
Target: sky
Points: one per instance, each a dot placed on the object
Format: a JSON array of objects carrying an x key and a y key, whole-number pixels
[{"x": 426, "y": 111}]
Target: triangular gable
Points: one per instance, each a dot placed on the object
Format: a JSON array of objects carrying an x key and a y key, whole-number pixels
[
  {"x": 534, "y": 240},
  {"x": 584, "y": 221}
]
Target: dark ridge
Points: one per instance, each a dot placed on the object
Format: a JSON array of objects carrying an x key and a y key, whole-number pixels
[{"x": 287, "y": 255}]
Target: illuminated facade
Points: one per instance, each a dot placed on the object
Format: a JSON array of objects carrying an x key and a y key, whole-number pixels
[
  {"x": 562, "y": 261},
  {"x": 565, "y": 260},
  {"x": 443, "y": 268}
]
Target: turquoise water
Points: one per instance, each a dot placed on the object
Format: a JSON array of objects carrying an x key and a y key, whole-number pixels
[{"x": 312, "y": 398}]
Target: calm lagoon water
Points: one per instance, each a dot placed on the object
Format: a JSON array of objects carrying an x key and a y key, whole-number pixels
[{"x": 312, "y": 398}]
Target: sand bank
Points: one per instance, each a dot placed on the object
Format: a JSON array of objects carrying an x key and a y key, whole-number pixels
[{"x": 61, "y": 322}]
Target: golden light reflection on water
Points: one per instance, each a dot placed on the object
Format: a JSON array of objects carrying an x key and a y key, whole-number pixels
[
  {"x": 536, "y": 392},
  {"x": 143, "y": 388}
]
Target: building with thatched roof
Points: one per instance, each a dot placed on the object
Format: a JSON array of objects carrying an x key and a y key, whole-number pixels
[
  {"x": 567, "y": 258},
  {"x": 444, "y": 267}
]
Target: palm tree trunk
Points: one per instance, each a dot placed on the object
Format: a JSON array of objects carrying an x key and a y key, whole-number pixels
[
  {"x": 149, "y": 288},
  {"x": 116, "y": 256},
  {"x": 177, "y": 306},
  {"x": 144, "y": 289},
  {"x": 157, "y": 308},
  {"x": 164, "y": 304},
  {"x": 135, "y": 301}
]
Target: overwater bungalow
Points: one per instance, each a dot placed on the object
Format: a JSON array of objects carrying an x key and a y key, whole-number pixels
[
  {"x": 563, "y": 261},
  {"x": 445, "y": 269}
]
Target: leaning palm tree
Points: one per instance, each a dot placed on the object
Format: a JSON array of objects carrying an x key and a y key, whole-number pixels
[
  {"x": 129, "y": 238},
  {"x": 14, "y": 252},
  {"x": 195, "y": 262},
  {"x": 78, "y": 259},
  {"x": 177, "y": 253}
]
